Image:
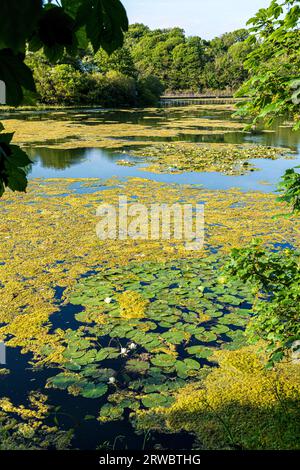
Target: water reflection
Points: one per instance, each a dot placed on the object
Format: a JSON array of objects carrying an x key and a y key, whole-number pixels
[
  {"x": 56, "y": 159},
  {"x": 102, "y": 163}
]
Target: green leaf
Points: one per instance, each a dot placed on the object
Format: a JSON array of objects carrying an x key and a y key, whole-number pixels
[
  {"x": 94, "y": 391},
  {"x": 63, "y": 381},
  {"x": 15, "y": 74},
  {"x": 200, "y": 351},
  {"x": 137, "y": 366},
  {"x": 18, "y": 157},
  {"x": 56, "y": 30},
  {"x": 105, "y": 22},
  {"x": 6, "y": 138},
  {"x": 154, "y": 400},
  {"x": 107, "y": 353},
  {"x": 18, "y": 21},
  {"x": 163, "y": 360},
  {"x": 110, "y": 412},
  {"x": 191, "y": 364}
]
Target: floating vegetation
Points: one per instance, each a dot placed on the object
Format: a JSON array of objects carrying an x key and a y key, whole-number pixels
[
  {"x": 146, "y": 328},
  {"x": 240, "y": 405},
  {"x": 65, "y": 130},
  {"x": 147, "y": 321},
  {"x": 126, "y": 163},
  {"x": 132, "y": 305},
  {"x": 225, "y": 158},
  {"x": 23, "y": 428},
  {"x": 48, "y": 241},
  {"x": 145, "y": 315},
  {"x": 133, "y": 329}
]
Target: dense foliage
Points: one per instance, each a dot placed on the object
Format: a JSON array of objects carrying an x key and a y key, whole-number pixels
[
  {"x": 98, "y": 79},
  {"x": 274, "y": 275},
  {"x": 273, "y": 89},
  {"x": 289, "y": 187},
  {"x": 148, "y": 62},
  {"x": 189, "y": 63},
  {"x": 275, "y": 278}
]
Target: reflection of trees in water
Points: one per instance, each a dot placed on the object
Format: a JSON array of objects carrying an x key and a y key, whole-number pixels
[
  {"x": 58, "y": 159},
  {"x": 284, "y": 136},
  {"x": 276, "y": 136},
  {"x": 61, "y": 159}
]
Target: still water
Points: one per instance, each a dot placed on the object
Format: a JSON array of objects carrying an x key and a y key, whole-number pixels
[{"x": 102, "y": 163}]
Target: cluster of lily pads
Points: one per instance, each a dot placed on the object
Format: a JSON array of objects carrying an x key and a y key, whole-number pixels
[
  {"x": 225, "y": 158},
  {"x": 146, "y": 329}
]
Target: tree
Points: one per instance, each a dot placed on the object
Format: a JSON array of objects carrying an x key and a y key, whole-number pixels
[
  {"x": 135, "y": 33},
  {"x": 225, "y": 61},
  {"x": 188, "y": 62},
  {"x": 56, "y": 27},
  {"x": 120, "y": 61},
  {"x": 272, "y": 92},
  {"x": 275, "y": 279},
  {"x": 153, "y": 53},
  {"x": 273, "y": 89}
]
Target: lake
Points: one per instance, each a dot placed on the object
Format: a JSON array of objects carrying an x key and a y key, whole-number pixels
[{"x": 71, "y": 304}]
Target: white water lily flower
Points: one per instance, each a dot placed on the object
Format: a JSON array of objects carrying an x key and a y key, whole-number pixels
[
  {"x": 132, "y": 346},
  {"x": 108, "y": 300},
  {"x": 111, "y": 380},
  {"x": 123, "y": 351}
]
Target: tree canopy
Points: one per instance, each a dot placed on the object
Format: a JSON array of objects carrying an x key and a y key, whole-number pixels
[{"x": 273, "y": 89}]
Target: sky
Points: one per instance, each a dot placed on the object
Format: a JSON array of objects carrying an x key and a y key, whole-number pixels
[{"x": 204, "y": 18}]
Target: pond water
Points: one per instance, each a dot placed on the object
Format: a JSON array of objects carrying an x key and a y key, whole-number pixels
[
  {"x": 72, "y": 411},
  {"x": 102, "y": 163}
]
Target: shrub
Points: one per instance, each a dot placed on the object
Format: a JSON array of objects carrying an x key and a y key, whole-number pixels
[
  {"x": 61, "y": 84},
  {"x": 275, "y": 278},
  {"x": 150, "y": 89}
]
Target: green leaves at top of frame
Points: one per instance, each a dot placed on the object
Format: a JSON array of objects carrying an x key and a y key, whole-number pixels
[
  {"x": 18, "y": 22},
  {"x": 55, "y": 32},
  {"x": 56, "y": 29},
  {"x": 105, "y": 22},
  {"x": 13, "y": 165}
]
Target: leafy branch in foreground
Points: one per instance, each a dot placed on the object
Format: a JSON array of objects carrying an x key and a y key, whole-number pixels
[
  {"x": 272, "y": 92},
  {"x": 13, "y": 165},
  {"x": 273, "y": 89},
  {"x": 57, "y": 28},
  {"x": 289, "y": 188},
  {"x": 275, "y": 278}
]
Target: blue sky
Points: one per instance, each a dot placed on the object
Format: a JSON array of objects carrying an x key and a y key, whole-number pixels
[{"x": 205, "y": 18}]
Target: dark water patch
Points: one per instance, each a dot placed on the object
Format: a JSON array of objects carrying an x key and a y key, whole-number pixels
[
  {"x": 71, "y": 412},
  {"x": 65, "y": 319}
]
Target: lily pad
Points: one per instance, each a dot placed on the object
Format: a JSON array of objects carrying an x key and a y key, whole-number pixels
[
  {"x": 94, "y": 391},
  {"x": 163, "y": 360},
  {"x": 137, "y": 366},
  {"x": 153, "y": 400}
]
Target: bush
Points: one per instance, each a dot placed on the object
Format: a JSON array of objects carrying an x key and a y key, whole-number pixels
[
  {"x": 64, "y": 84},
  {"x": 149, "y": 89},
  {"x": 61, "y": 84},
  {"x": 275, "y": 278},
  {"x": 111, "y": 90}
]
